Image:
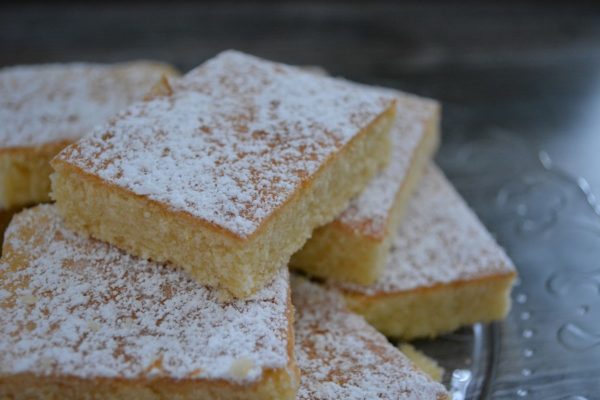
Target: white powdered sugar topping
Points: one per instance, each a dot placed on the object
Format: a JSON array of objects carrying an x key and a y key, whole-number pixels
[
  {"x": 439, "y": 241},
  {"x": 232, "y": 141},
  {"x": 62, "y": 102},
  {"x": 72, "y": 306},
  {"x": 341, "y": 356},
  {"x": 369, "y": 212}
]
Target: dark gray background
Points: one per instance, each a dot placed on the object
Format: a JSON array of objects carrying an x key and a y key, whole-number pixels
[{"x": 529, "y": 68}]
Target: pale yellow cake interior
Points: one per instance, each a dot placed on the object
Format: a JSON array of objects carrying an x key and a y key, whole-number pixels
[
  {"x": 338, "y": 253},
  {"x": 430, "y": 312},
  {"x": 24, "y": 174},
  {"x": 216, "y": 258}
]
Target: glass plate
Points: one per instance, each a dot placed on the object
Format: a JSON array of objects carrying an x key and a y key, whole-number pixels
[{"x": 549, "y": 223}]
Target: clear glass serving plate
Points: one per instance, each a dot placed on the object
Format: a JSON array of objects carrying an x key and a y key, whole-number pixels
[{"x": 549, "y": 223}]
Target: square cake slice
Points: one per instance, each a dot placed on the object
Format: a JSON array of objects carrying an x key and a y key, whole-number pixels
[
  {"x": 445, "y": 270},
  {"x": 43, "y": 108},
  {"x": 355, "y": 247},
  {"x": 228, "y": 171},
  {"x": 342, "y": 357},
  {"x": 81, "y": 319}
]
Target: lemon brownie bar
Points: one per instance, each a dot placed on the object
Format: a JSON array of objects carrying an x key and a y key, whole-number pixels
[
  {"x": 355, "y": 246},
  {"x": 81, "y": 319},
  {"x": 227, "y": 173},
  {"x": 342, "y": 357},
  {"x": 445, "y": 270},
  {"x": 45, "y": 107}
]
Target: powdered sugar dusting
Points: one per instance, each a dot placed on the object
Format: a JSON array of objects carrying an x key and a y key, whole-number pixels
[
  {"x": 232, "y": 142},
  {"x": 73, "y": 306},
  {"x": 439, "y": 241},
  {"x": 369, "y": 212},
  {"x": 56, "y": 102},
  {"x": 342, "y": 357}
]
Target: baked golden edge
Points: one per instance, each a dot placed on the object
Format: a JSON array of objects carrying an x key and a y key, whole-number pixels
[
  {"x": 340, "y": 253},
  {"x": 432, "y": 311},
  {"x": 212, "y": 255},
  {"x": 275, "y": 384}
]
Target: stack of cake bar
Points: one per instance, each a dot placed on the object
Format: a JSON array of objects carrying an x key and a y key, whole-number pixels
[{"x": 181, "y": 202}]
